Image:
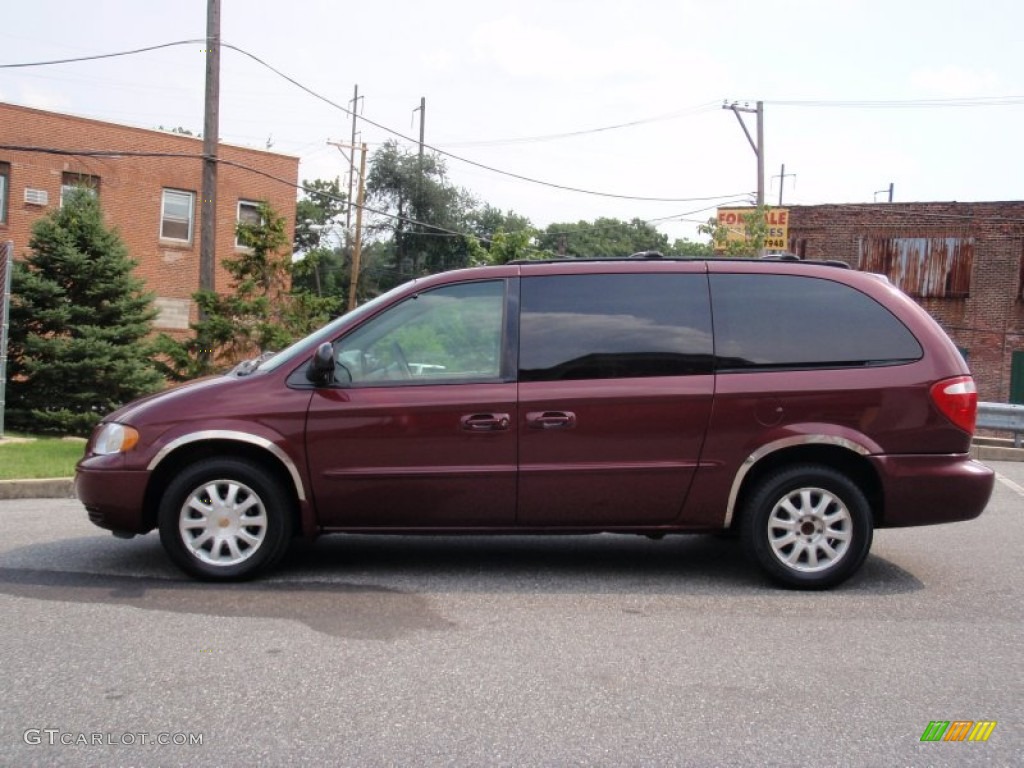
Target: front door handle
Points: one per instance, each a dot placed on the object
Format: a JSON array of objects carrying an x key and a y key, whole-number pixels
[
  {"x": 551, "y": 420},
  {"x": 485, "y": 422}
]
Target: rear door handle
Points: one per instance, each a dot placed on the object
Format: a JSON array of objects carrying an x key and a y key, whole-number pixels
[
  {"x": 485, "y": 422},
  {"x": 551, "y": 420}
]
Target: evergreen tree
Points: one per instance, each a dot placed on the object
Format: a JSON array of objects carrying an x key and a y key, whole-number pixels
[
  {"x": 261, "y": 313},
  {"x": 78, "y": 321}
]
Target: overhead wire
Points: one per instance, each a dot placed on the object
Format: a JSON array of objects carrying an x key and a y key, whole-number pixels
[{"x": 399, "y": 134}]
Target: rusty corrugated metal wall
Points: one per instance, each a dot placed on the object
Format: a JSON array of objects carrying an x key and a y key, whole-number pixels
[{"x": 924, "y": 267}]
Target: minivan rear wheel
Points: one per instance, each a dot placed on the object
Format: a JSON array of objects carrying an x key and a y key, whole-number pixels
[
  {"x": 808, "y": 526},
  {"x": 224, "y": 519}
]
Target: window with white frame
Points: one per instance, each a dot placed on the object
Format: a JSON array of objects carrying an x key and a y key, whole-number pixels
[
  {"x": 5, "y": 177},
  {"x": 177, "y": 214},
  {"x": 248, "y": 213},
  {"x": 72, "y": 181}
]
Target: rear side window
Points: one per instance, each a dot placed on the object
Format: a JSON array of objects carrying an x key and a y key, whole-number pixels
[
  {"x": 614, "y": 326},
  {"x": 783, "y": 321}
]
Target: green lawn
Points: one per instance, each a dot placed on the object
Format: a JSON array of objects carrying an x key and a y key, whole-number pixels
[{"x": 39, "y": 457}]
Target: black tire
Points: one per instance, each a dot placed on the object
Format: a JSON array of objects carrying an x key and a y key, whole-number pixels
[
  {"x": 807, "y": 526},
  {"x": 251, "y": 532}
]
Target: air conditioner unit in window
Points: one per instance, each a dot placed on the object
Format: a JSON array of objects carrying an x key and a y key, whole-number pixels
[{"x": 37, "y": 196}]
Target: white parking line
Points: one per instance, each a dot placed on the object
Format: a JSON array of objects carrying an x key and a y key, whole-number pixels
[{"x": 1010, "y": 484}]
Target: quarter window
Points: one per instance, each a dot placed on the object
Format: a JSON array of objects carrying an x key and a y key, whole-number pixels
[
  {"x": 177, "y": 215},
  {"x": 614, "y": 326},
  {"x": 781, "y": 321},
  {"x": 451, "y": 334}
]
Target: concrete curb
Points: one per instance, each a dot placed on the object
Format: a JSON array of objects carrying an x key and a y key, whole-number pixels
[
  {"x": 45, "y": 488},
  {"x": 996, "y": 453}
]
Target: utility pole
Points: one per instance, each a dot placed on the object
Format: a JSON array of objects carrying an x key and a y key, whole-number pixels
[
  {"x": 6, "y": 269},
  {"x": 211, "y": 130},
  {"x": 882, "y": 190},
  {"x": 352, "y": 157},
  {"x": 757, "y": 146},
  {"x": 357, "y": 246},
  {"x": 782, "y": 181},
  {"x": 422, "y": 109}
]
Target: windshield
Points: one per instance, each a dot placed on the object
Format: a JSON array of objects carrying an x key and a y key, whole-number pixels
[{"x": 329, "y": 331}]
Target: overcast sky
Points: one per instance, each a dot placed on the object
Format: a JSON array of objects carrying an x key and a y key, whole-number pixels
[{"x": 502, "y": 81}]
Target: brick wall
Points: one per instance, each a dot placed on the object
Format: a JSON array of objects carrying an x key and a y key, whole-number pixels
[
  {"x": 131, "y": 192},
  {"x": 989, "y": 323}
]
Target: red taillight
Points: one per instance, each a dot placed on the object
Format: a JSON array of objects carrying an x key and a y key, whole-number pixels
[{"x": 957, "y": 400}]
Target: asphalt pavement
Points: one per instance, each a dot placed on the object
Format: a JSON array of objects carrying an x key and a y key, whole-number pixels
[{"x": 509, "y": 651}]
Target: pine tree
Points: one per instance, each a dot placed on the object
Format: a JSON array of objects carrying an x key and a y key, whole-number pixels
[
  {"x": 260, "y": 314},
  {"x": 78, "y": 323}
]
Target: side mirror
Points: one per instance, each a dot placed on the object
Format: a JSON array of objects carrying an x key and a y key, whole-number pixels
[{"x": 321, "y": 368}]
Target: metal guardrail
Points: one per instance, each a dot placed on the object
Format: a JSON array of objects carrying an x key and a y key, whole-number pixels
[{"x": 1002, "y": 417}]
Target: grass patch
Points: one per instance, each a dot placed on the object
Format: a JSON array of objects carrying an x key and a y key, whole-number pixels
[{"x": 39, "y": 457}]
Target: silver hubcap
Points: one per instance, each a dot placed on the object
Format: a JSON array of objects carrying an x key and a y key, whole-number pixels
[
  {"x": 223, "y": 522},
  {"x": 810, "y": 530}
]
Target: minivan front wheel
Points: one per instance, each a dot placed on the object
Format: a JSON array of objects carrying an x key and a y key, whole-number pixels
[
  {"x": 224, "y": 519},
  {"x": 807, "y": 526}
]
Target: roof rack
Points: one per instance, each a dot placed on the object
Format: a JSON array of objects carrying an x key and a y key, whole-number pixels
[{"x": 658, "y": 256}]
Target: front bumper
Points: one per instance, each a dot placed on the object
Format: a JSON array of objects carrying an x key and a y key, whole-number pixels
[
  {"x": 114, "y": 498},
  {"x": 930, "y": 489}
]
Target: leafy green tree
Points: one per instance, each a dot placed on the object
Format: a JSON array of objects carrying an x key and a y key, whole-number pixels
[
  {"x": 500, "y": 237},
  {"x": 423, "y": 215},
  {"x": 749, "y": 243},
  {"x": 260, "y": 313},
  {"x": 322, "y": 266},
  {"x": 78, "y": 323},
  {"x": 604, "y": 237}
]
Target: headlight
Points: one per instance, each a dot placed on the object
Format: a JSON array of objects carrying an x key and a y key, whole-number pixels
[{"x": 114, "y": 438}]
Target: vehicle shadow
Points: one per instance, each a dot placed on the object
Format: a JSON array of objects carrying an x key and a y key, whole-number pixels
[
  {"x": 383, "y": 587},
  {"x": 598, "y": 563}
]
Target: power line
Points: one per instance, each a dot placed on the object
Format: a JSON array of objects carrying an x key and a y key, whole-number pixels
[
  {"x": 482, "y": 166},
  {"x": 968, "y": 101},
  {"x": 77, "y": 59},
  {"x": 584, "y": 132}
]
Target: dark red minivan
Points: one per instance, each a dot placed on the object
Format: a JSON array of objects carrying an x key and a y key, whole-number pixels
[{"x": 800, "y": 404}]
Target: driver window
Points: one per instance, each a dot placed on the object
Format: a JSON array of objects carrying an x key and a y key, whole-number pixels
[{"x": 450, "y": 334}]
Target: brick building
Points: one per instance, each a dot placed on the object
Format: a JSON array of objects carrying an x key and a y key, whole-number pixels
[
  {"x": 963, "y": 262},
  {"x": 154, "y": 202}
]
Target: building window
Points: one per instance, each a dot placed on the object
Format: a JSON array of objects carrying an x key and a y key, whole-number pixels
[
  {"x": 72, "y": 181},
  {"x": 1020, "y": 285},
  {"x": 923, "y": 267},
  {"x": 177, "y": 214},
  {"x": 248, "y": 213},
  {"x": 5, "y": 185}
]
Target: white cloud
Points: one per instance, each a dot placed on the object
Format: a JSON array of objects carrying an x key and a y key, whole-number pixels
[
  {"x": 952, "y": 81},
  {"x": 43, "y": 99},
  {"x": 522, "y": 49}
]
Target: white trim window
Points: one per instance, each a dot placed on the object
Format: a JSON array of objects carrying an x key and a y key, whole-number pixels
[
  {"x": 177, "y": 215},
  {"x": 5, "y": 178},
  {"x": 248, "y": 213},
  {"x": 72, "y": 181}
]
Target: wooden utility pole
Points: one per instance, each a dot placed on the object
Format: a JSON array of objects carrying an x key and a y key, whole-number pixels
[
  {"x": 352, "y": 158},
  {"x": 357, "y": 246},
  {"x": 211, "y": 130}
]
